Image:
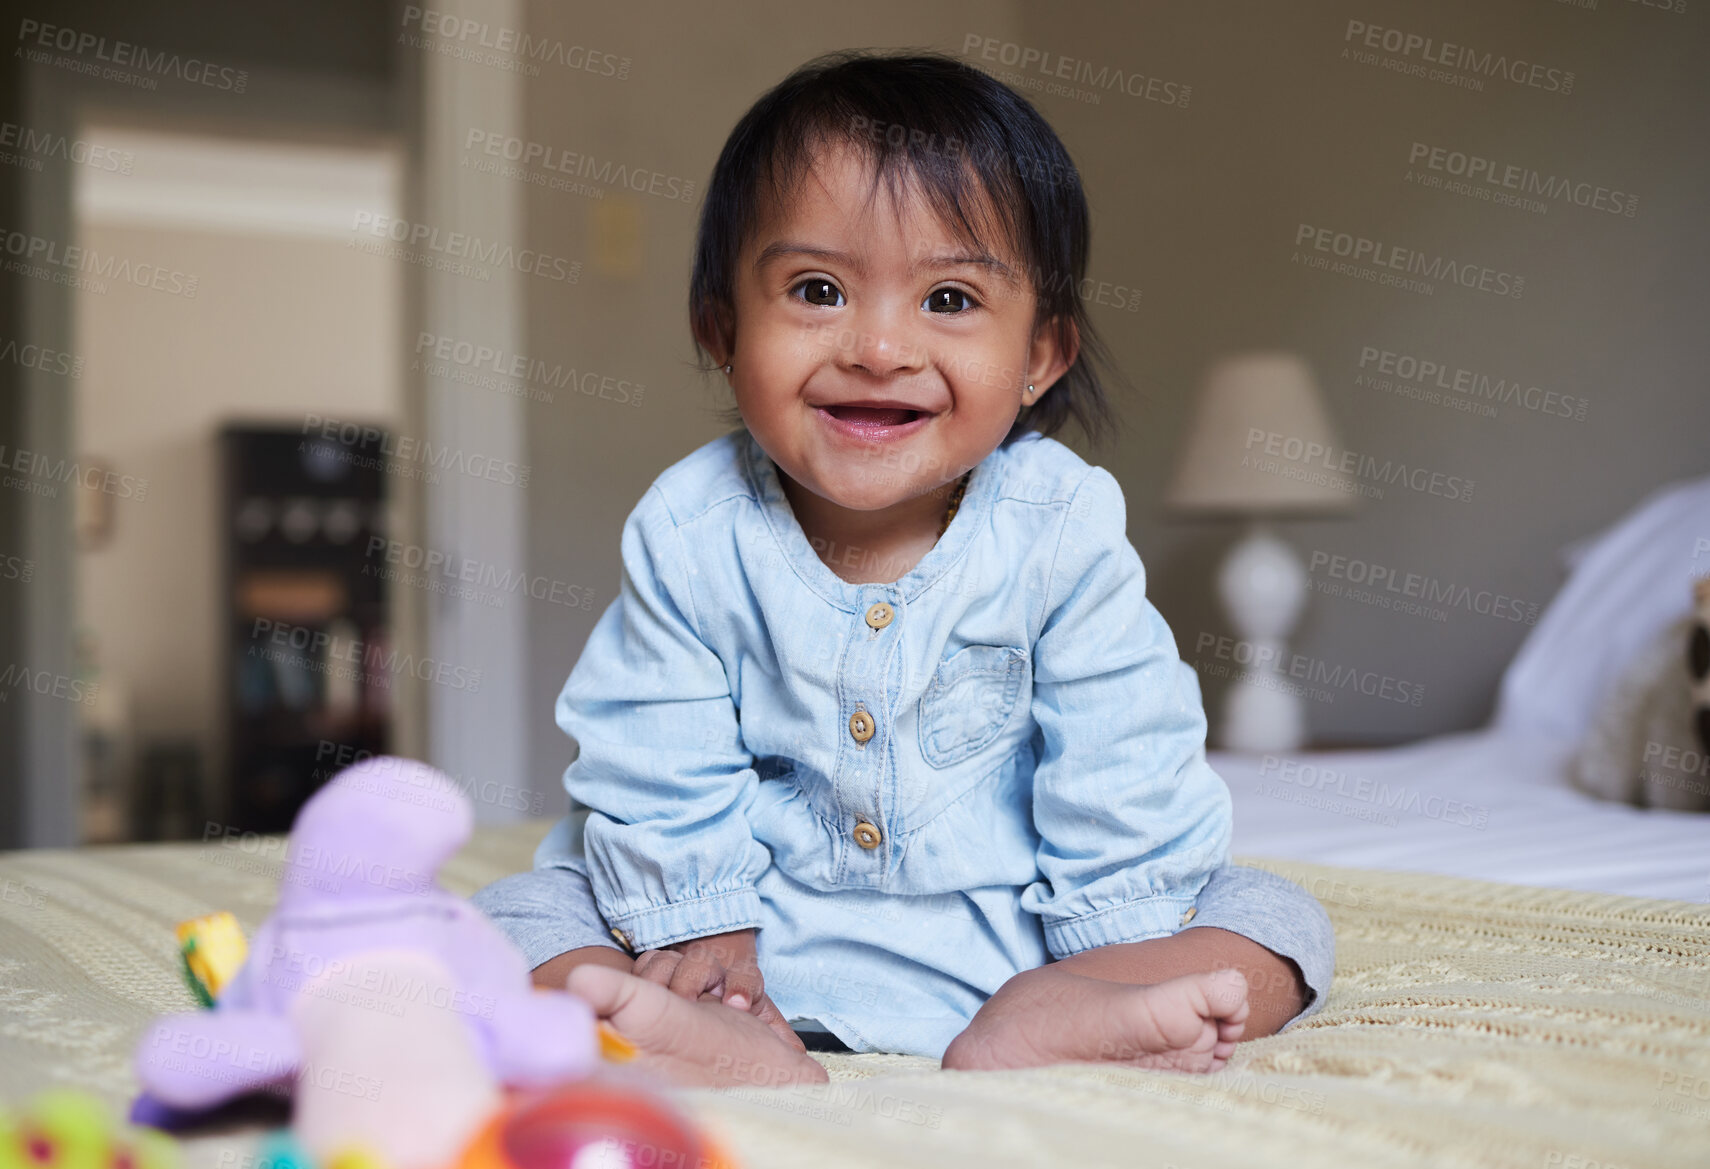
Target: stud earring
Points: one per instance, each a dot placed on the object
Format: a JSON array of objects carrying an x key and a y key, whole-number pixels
[{"x": 727, "y": 367}]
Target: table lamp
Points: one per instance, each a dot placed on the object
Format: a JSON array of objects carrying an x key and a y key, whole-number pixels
[{"x": 1261, "y": 447}]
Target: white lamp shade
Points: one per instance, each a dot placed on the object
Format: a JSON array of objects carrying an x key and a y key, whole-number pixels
[{"x": 1261, "y": 442}]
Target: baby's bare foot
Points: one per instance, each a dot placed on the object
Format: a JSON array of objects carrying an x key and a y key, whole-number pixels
[
  {"x": 704, "y": 1044},
  {"x": 1189, "y": 1024}
]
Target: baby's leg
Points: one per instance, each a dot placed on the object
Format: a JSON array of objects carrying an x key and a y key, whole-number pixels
[
  {"x": 1054, "y": 1015},
  {"x": 692, "y": 1044},
  {"x": 1257, "y": 955},
  {"x": 551, "y": 916},
  {"x": 1268, "y": 928},
  {"x": 1291, "y": 945}
]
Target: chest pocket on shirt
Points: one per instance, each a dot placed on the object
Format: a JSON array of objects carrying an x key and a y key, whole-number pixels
[{"x": 969, "y": 701}]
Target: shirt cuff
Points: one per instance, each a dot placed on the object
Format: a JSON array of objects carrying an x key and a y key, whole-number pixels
[
  {"x": 1139, "y": 920},
  {"x": 664, "y": 925}
]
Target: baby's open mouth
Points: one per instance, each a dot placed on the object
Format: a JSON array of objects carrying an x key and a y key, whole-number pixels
[{"x": 873, "y": 415}]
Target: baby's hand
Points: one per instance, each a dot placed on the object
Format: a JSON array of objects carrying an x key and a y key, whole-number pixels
[{"x": 723, "y": 965}]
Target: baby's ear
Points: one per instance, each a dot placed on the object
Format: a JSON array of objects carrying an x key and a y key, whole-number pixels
[
  {"x": 714, "y": 329},
  {"x": 1055, "y": 348}
]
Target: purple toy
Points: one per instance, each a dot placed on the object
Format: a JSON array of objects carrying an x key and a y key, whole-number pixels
[{"x": 359, "y": 878}]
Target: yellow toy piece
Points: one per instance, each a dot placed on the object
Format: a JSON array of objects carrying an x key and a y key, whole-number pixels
[
  {"x": 356, "y": 1158},
  {"x": 613, "y": 1046},
  {"x": 214, "y": 949},
  {"x": 68, "y": 1129}
]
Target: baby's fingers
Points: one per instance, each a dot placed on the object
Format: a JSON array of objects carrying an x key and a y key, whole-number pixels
[
  {"x": 657, "y": 965},
  {"x": 693, "y": 977},
  {"x": 682, "y": 975},
  {"x": 744, "y": 989}
]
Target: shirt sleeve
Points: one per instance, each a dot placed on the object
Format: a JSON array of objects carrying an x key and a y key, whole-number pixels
[
  {"x": 661, "y": 767},
  {"x": 1131, "y": 818}
]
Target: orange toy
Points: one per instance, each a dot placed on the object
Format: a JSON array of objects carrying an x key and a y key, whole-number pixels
[{"x": 595, "y": 1120}]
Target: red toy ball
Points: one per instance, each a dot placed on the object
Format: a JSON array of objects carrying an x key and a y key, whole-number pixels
[{"x": 593, "y": 1124}]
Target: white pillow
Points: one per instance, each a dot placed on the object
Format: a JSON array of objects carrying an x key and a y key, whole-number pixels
[{"x": 1626, "y": 585}]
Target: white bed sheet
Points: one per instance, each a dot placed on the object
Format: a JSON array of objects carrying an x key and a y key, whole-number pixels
[{"x": 1419, "y": 808}]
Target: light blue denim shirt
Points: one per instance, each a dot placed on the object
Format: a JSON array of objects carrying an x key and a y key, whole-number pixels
[{"x": 915, "y": 789}]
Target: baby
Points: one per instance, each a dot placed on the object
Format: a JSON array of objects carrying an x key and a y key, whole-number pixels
[{"x": 882, "y": 746}]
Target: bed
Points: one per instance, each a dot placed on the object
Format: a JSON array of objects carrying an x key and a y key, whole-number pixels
[
  {"x": 1471, "y": 1024},
  {"x": 1488, "y": 804},
  {"x": 1497, "y": 803},
  {"x": 1532, "y": 992}
]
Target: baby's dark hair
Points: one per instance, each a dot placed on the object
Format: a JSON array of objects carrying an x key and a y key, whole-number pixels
[{"x": 950, "y": 126}]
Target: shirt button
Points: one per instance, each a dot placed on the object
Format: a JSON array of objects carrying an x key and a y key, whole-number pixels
[
  {"x": 1189, "y": 915},
  {"x": 866, "y": 835},
  {"x": 861, "y": 726},
  {"x": 880, "y": 615}
]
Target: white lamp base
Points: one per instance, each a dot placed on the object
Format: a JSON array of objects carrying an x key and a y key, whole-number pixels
[{"x": 1263, "y": 586}]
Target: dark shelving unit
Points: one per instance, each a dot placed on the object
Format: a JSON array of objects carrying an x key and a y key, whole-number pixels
[{"x": 306, "y": 645}]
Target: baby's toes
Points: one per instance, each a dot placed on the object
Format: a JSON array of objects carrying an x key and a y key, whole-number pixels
[
  {"x": 1195, "y": 1020},
  {"x": 1194, "y": 1057},
  {"x": 643, "y": 1011},
  {"x": 1188, "y": 1011},
  {"x": 1226, "y": 995}
]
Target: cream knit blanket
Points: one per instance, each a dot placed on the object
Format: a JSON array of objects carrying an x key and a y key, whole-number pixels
[{"x": 1471, "y": 1024}]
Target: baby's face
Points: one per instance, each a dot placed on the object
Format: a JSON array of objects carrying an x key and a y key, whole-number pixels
[{"x": 848, "y": 311}]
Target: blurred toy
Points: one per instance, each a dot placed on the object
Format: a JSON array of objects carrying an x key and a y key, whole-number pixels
[
  {"x": 280, "y": 1150},
  {"x": 213, "y": 949},
  {"x": 67, "y": 1129},
  {"x": 359, "y": 880},
  {"x": 401, "y": 1023},
  {"x": 394, "y": 1082},
  {"x": 614, "y": 1046},
  {"x": 435, "y": 1100},
  {"x": 394, "y": 1075},
  {"x": 593, "y": 1123}
]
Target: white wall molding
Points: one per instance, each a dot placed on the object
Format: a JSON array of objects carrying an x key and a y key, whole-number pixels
[{"x": 476, "y": 736}]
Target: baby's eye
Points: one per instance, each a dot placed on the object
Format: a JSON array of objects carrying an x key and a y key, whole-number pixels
[
  {"x": 949, "y": 300},
  {"x": 819, "y": 286}
]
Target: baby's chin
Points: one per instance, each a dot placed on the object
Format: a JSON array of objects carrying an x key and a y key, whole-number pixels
[{"x": 878, "y": 493}]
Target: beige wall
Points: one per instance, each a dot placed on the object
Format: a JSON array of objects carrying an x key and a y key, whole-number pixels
[
  {"x": 1201, "y": 208},
  {"x": 1198, "y": 206},
  {"x": 280, "y": 326}
]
